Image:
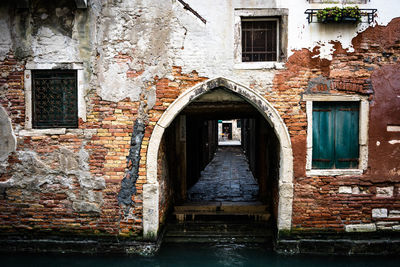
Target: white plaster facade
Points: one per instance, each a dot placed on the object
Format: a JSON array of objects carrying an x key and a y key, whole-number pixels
[{"x": 156, "y": 35}]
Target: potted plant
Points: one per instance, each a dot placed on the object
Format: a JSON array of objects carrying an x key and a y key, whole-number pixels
[
  {"x": 337, "y": 14},
  {"x": 351, "y": 14}
]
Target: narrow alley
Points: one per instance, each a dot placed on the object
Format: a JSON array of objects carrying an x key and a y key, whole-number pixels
[{"x": 226, "y": 178}]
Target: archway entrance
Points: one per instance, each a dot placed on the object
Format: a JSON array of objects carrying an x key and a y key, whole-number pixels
[{"x": 233, "y": 100}]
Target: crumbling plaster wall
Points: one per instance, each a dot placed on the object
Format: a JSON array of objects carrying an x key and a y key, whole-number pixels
[
  {"x": 305, "y": 35},
  {"x": 7, "y": 139},
  {"x": 155, "y": 35},
  {"x": 47, "y": 35},
  {"x": 5, "y": 34},
  {"x": 126, "y": 48},
  {"x": 137, "y": 41}
]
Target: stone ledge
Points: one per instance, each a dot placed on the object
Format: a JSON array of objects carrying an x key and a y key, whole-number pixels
[
  {"x": 334, "y": 172},
  {"x": 339, "y": 246},
  {"x": 259, "y": 65},
  {"x": 78, "y": 245},
  {"x": 368, "y": 227},
  {"x": 41, "y": 132},
  {"x": 338, "y": 243}
]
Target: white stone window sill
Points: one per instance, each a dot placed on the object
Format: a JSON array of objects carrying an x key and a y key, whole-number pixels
[
  {"x": 56, "y": 131},
  {"x": 39, "y": 132},
  {"x": 259, "y": 65},
  {"x": 333, "y": 172}
]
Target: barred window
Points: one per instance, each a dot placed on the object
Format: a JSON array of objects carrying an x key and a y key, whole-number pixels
[
  {"x": 339, "y": 1},
  {"x": 259, "y": 39},
  {"x": 54, "y": 99}
]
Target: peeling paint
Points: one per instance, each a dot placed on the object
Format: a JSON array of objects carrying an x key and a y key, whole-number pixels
[{"x": 33, "y": 175}]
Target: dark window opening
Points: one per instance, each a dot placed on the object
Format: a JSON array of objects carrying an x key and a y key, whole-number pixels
[
  {"x": 259, "y": 40},
  {"x": 337, "y": 1},
  {"x": 54, "y": 99}
]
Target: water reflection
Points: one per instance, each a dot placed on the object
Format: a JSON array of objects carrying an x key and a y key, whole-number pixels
[{"x": 198, "y": 255}]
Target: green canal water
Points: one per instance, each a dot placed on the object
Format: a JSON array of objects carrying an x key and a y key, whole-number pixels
[{"x": 198, "y": 255}]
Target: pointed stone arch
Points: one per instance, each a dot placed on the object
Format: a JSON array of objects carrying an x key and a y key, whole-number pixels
[{"x": 151, "y": 188}]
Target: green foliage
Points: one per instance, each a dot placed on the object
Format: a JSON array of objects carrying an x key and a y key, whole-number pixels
[{"x": 337, "y": 14}]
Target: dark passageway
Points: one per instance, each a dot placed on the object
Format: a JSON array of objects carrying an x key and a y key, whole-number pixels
[{"x": 219, "y": 191}]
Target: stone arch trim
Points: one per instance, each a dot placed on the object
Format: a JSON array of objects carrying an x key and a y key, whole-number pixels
[{"x": 151, "y": 188}]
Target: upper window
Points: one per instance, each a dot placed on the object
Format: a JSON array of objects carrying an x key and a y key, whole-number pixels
[
  {"x": 259, "y": 39},
  {"x": 339, "y": 1},
  {"x": 335, "y": 130},
  {"x": 54, "y": 99}
]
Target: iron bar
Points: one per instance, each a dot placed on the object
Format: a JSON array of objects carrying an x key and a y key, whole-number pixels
[
  {"x": 187, "y": 7},
  {"x": 366, "y": 12}
]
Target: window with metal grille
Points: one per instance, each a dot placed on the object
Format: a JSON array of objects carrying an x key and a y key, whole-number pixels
[
  {"x": 335, "y": 130},
  {"x": 54, "y": 99},
  {"x": 339, "y": 1},
  {"x": 259, "y": 39}
]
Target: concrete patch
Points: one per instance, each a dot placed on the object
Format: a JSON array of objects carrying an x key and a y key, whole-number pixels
[
  {"x": 379, "y": 213},
  {"x": 384, "y": 191},
  {"x": 370, "y": 227},
  {"x": 7, "y": 137}
]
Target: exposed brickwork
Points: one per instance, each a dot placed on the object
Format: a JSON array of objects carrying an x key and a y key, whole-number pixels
[
  {"x": 106, "y": 135},
  {"x": 12, "y": 96},
  {"x": 317, "y": 201}
]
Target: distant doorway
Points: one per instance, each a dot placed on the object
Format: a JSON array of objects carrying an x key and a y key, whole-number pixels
[{"x": 227, "y": 131}]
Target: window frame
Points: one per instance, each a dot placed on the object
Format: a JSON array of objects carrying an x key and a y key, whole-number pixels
[
  {"x": 28, "y": 129},
  {"x": 362, "y": 138},
  {"x": 279, "y": 14},
  {"x": 277, "y": 35},
  {"x": 358, "y": 2},
  {"x": 37, "y": 124}
]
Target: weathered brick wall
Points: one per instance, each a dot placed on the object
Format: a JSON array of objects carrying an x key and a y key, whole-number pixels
[
  {"x": 68, "y": 183},
  {"x": 330, "y": 203},
  {"x": 12, "y": 89}
]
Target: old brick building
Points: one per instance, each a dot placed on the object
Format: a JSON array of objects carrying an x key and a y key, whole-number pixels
[{"x": 86, "y": 85}]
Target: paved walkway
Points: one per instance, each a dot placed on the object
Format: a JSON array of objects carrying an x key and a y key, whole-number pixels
[
  {"x": 229, "y": 143},
  {"x": 226, "y": 178}
]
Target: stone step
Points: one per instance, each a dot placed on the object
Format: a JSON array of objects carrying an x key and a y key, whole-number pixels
[
  {"x": 218, "y": 231},
  {"x": 220, "y": 222},
  {"x": 218, "y": 226},
  {"x": 215, "y": 239},
  {"x": 194, "y": 216},
  {"x": 248, "y": 210},
  {"x": 222, "y": 206}
]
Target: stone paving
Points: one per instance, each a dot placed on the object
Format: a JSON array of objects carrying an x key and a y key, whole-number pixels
[
  {"x": 226, "y": 178},
  {"x": 229, "y": 143}
]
